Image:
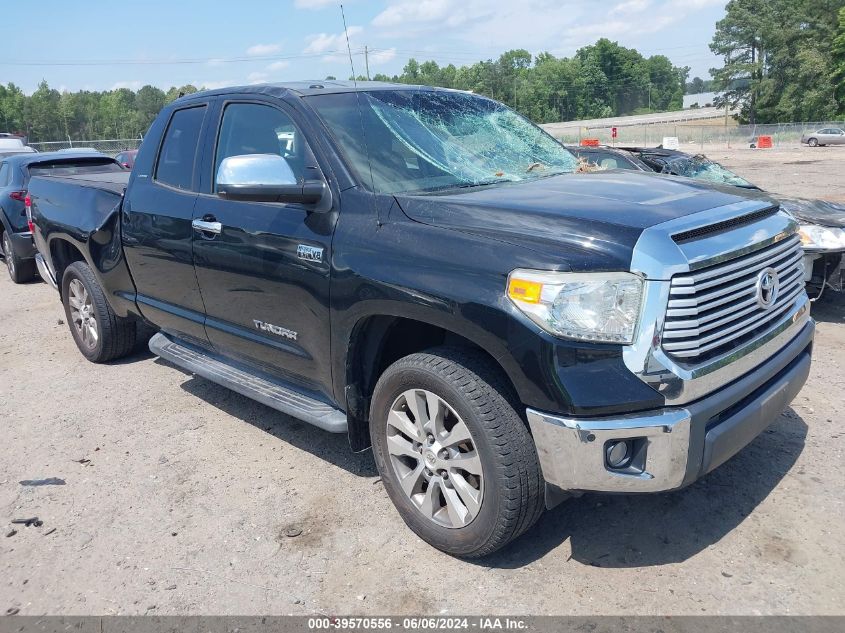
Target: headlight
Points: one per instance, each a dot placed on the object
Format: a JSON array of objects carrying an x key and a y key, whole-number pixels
[
  {"x": 825, "y": 238},
  {"x": 601, "y": 307}
]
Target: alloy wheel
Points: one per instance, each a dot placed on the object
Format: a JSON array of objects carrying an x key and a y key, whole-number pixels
[
  {"x": 7, "y": 255},
  {"x": 82, "y": 314},
  {"x": 435, "y": 458}
]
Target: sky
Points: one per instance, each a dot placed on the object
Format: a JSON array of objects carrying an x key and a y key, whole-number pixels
[{"x": 98, "y": 45}]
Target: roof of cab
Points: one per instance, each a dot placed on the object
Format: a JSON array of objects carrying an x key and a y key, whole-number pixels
[{"x": 308, "y": 88}]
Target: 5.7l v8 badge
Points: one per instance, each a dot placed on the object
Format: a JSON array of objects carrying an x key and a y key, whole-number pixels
[{"x": 309, "y": 253}]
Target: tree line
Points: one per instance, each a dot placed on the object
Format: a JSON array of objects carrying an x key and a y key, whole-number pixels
[
  {"x": 601, "y": 80},
  {"x": 50, "y": 115},
  {"x": 784, "y": 60}
]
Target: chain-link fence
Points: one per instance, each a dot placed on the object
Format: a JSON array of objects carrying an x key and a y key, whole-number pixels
[
  {"x": 717, "y": 134},
  {"x": 111, "y": 147},
  {"x": 714, "y": 135}
]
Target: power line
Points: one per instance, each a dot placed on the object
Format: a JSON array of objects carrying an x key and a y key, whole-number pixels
[
  {"x": 455, "y": 54},
  {"x": 161, "y": 62}
]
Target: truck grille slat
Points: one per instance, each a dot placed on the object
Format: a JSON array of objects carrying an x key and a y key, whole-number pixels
[
  {"x": 711, "y": 310},
  {"x": 708, "y": 301},
  {"x": 777, "y": 260},
  {"x": 705, "y": 325},
  {"x": 783, "y": 246}
]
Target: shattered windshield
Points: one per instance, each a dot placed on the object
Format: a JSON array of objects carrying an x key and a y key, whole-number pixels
[
  {"x": 702, "y": 168},
  {"x": 418, "y": 141}
]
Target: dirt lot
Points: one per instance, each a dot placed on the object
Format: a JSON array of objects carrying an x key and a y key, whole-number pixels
[{"x": 191, "y": 490}]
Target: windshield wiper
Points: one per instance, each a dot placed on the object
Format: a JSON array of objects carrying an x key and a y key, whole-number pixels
[{"x": 468, "y": 185}]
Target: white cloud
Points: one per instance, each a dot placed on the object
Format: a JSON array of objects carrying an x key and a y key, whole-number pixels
[
  {"x": 215, "y": 62},
  {"x": 257, "y": 78},
  {"x": 588, "y": 33},
  {"x": 132, "y": 85},
  {"x": 314, "y": 4},
  {"x": 380, "y": 56},
  {"x": 215, "y": 84},
  {"x": 486, "y": 29},
  {"x": 279, "y": 65},
  {"x": 407, "y": 12},
  {"x": 329, "y": 43},
  {"x": 263, "y": 49},
  {"x": 630, "y": 6}
]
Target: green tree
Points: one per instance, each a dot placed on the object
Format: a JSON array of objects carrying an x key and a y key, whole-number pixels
[
  {"x": 778, "y": 59},
  {"x": 739, "y": 40},
  {"x": 148, "y": 102},
  {"x": 41, "y": 113},
  {"x": 12, "y": 108},
  {"x": 839, "y": 63},
  {"x": 174, "y": 93}
]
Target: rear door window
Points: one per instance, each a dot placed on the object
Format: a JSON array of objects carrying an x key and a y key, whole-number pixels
[
  {"x": 179, "y": 149},
  {"x": 4, "y": 175}
]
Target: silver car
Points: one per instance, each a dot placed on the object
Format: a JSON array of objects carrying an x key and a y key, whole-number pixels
[{"x": 827, "y": 136}]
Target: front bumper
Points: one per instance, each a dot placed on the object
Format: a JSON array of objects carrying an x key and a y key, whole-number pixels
[{"x": 673, "y": 446}]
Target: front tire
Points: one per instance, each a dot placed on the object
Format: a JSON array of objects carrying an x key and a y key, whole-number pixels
[
  {"x": 99, "y": 333},
  {"x": 456, "y": 459},
  {"x": 20, "y": 270}
]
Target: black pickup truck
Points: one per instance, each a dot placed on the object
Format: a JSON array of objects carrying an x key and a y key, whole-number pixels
[{"x": 424, "y": 270}]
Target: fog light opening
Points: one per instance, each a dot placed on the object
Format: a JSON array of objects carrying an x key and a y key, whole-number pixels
[{"x": 618, "y": 454}]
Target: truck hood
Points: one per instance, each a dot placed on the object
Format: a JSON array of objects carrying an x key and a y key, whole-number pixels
[{"x": 587, "y": 221}]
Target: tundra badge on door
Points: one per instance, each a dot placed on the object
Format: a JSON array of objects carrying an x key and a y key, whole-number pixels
[
  {"x": 309, "y": 253},
  {"x": 275, "y": 329}
]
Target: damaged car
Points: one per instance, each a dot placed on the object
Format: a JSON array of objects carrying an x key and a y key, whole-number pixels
[{"x": 822, "y": 223}]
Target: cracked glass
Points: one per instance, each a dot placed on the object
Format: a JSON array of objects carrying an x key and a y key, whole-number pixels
[{"x": 417, "y": 141}]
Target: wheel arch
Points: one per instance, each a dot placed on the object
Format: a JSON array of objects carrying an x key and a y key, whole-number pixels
[
  {"x": 63, "y": 253},
  {"x": 4, "y": 223},
  {"x": 379, "y": 340}
]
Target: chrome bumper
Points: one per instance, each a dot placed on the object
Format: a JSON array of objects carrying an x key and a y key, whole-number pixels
[
  {"x": 676, "y": 444},
  {"x": 572, "y": 451}
]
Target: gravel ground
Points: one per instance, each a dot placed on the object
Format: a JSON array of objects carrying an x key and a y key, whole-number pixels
[{"x": 162, "y": 493}]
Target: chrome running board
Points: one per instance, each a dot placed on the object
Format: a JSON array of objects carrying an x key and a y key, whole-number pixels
[{"x": 273, "y": 394}]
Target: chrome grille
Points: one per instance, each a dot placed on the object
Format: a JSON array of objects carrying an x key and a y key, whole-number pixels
[{"x": 713, "y": 309}]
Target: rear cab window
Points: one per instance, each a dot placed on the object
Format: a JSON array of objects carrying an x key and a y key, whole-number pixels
[
  {"x": 178, "y": 153},
  {"x": 73, "y": 167}
]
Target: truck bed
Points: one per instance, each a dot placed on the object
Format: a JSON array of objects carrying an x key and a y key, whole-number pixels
[
  {"x": 114, "y": 182},
  {"x": 81, "y": 213}
]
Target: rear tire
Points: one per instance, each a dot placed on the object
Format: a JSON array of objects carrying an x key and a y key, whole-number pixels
[
  {"x": 99, "y": 333},
  {"x": 813, "y": 142},
  {"x": 466, "y": 514},
  {"x": 20, "y": 270}
]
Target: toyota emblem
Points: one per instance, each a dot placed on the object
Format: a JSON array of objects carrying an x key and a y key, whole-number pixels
[{"x": 767, "y": 288}]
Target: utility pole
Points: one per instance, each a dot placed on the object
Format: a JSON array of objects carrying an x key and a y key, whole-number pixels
[{"x": 367, "y": 60}]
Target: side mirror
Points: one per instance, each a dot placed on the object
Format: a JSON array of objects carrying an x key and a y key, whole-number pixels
[{"x": 266, "y": 178}]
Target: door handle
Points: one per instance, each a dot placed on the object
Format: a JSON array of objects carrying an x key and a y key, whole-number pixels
[{"x": 204, "y": 226}]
